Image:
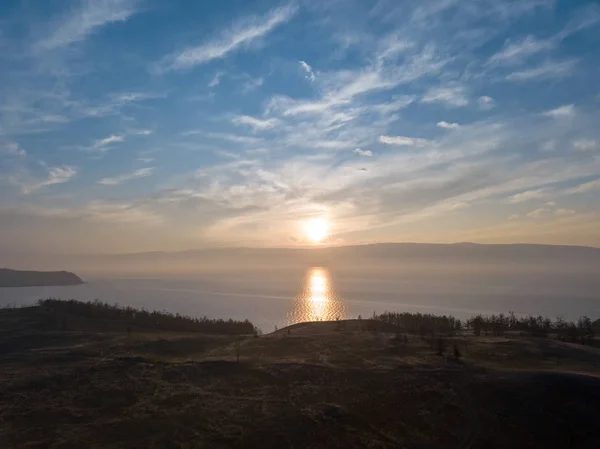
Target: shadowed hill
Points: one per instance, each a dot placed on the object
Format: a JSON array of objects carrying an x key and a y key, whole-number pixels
[
  {"x": 342, "y": 384},
  {"x": 17, "y": 278}
]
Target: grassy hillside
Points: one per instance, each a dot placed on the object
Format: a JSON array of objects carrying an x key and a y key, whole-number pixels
[{"x": 313, "y": 385}]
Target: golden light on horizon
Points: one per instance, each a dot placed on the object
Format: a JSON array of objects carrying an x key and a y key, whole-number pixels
[{"x": 317, "y": 229}]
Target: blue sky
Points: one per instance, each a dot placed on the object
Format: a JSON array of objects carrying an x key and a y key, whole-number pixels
[{"x": 135, "y": 125}]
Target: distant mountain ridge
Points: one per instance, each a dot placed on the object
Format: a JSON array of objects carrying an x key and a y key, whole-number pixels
[
  {"x": 515, "y": 251},
  {"x": 20, "y": 278},
  {"x": 397, "y": 256},
  {"x": 365, "y": 247}
]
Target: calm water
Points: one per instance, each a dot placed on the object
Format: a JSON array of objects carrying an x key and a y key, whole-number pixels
[{"x": 272, "y": 299}]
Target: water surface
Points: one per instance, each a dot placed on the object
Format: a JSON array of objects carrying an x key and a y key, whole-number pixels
[{"x": 278, "y": 298}]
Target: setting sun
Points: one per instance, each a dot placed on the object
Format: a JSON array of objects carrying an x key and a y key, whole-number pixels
[{"x": 317, "y": 229}]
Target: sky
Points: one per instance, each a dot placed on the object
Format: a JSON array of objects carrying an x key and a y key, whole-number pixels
[{"x": 147, "y": 125}]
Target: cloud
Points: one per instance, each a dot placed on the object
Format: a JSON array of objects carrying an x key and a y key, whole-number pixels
[
  {"x": 587, "y": 187},
  {"x": 233, "y": 137},
  {"x": 145, "y": 160},
  {"x": 366, "y": 153},
  {"x": 547, "y": 70},
  {"x": 310, "y": 74},
  {"x": 514, "y": 217},
  {"x": 106, "y": 143},
  {"x": 403, "y": 140},
  {"x": 565, "y": 111},
  {"x": 548, "y": 146},
  {"x": 115, "y": 104},
  {"x": 529, "y": 195},
  {"x": 110, "y": 139},
  {"x": 538, "y": 213},
  {"x": 119, "y": 213},
  {"x": 515, "y": 52},
  {"x": 240, "y": 35},
  {"x": 585, "y": 146},
  {"x": 80, "y": 23},
  {"x": 56, "y": 175},
  {"x": 345, "y": 87},
  {"x": 143, "y": 132},
  {"x": 453, "y": 96},
  {"x": 446, "y": 125},
  {"x": 141, "y": 173},
  {"x": 216, "y": 80},
  {"x": 252, "y": 84},
  {"x": 486, "y": 103},
  {"x": 564, "y": 212},
  {"x": 129, "y": 97},
  {"x": 255, "y": 123},
  {"x": 13, "y": 149}
]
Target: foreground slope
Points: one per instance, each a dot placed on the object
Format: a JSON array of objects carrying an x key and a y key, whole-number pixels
[{"x": 313, "y": 385}]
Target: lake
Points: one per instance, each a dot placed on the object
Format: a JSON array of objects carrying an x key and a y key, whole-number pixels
[{"x": 281, "y": 297}]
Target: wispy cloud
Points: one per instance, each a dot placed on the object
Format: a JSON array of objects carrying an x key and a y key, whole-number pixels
[
  {"x": 539, "y": 212},
  {"x": 403, "y": 141},
  {"x": 255, "y": 123},
  {"x": 365, "y": 153},
  {"x": 13, "y": 149},
  {"x": 112, "y": 212},
  {"x": 486, "y": 103},
  {"x": 216, "y": 80},
  {"x": 105, "y": 144},
  {"x": 240, "y": 35},
  {"x": 586, "y": 146},
  {"x": 565, "y": 111},
  {"x": 141, "y": 173},
  {"x": 585, "y": 188},
  {"x": 517, "y": 51},
  {"x": 56, "y": 175},
  {"x": 116, "y": 103},
  {"x": 233, "y": 137},
  {"x": 310, "y": 74},
  {"x": 252, "y": 84},
  {"x": 564, "y": 212},
  {"x": 90, "y": 16},
  {"x": 529, "y": 195},
  {"x": 549, "y": 69},
  {"x": 454, "y": 96},
  {"x": 447, "y": 125}
]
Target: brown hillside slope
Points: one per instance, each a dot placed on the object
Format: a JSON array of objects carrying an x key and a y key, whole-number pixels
[{"x": 313, "y": 385}]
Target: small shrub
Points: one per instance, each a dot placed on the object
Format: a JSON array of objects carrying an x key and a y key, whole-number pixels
[
  {"x": 441, "y": 346},
  {"x": 457, "y": 353}
]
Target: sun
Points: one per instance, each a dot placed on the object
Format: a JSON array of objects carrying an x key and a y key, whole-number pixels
[{"x": 317, "y": 229}]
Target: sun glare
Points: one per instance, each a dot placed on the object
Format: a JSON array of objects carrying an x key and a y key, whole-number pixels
[{"x": 317, "y": 229}]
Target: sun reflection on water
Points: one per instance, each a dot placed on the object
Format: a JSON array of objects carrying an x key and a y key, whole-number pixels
[{"x": 317, "y": 301}]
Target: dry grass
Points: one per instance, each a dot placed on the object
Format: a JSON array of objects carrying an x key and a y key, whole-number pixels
[{"x": 315, "y": 385}]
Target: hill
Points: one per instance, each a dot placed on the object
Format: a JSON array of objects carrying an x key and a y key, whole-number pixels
[
  {"x": 19, "y": 278},
  {"x": 340, "y": 384}
]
